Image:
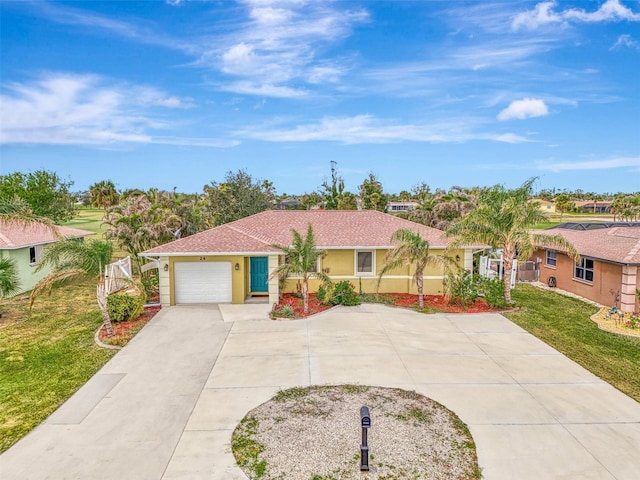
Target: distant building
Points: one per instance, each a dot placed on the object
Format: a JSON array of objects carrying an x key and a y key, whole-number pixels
[
  {"x": 396, "y": 207},
  {"x": 589, "y": 206}
]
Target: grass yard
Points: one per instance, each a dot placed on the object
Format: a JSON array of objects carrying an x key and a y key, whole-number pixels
[
  {"x": 565, "y": 324},
  {"x": 88, "y": 219},
  {"x": 45, "y": 356}
]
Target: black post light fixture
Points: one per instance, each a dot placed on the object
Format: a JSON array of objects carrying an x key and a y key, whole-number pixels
[{"x": 365, "y": 422}]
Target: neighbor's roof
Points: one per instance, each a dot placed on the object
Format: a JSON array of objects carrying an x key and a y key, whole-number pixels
[
  {"x": 15, "y": 235},
  {"x": 332, "y": 229},
  {"x": 617, "y": 244}
]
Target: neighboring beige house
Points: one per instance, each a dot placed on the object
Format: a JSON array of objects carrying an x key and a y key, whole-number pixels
[
  {"x": 25, "y": 243},
  {"x": 545, "y": 206},
  {"x": 609, "y": 267},
  {"x": 231, "y": 262}
]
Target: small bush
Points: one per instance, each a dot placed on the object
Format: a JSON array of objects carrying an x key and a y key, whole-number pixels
[
  {"x": 462, "y": 289},
  {"x": 122, "y": 307},
  {"x": 341, "y": 293},
  {"x": 151, "y": 285},
  {"x": 493, "y": 291},
  {"x": 344, "y": 293}
]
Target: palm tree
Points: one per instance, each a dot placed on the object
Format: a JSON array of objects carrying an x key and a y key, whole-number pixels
[
  {"x": 75, "y": 260},
  {"x": 503, "y": 219},
  {"x": 9, "y": 283},
  {"x": 103, "y": 194},
  {"x": 301, "y": 259},
  {"x": 411, "y": 249}
]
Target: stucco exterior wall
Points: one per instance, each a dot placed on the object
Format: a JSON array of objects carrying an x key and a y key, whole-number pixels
[
  {"x": 341, "y": 265},
  {"x": 607, "y": 277},
  {"x": 27, "y": 275}
]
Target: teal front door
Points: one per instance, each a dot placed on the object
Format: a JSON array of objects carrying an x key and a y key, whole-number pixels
[{"x": 259, "y": 268}]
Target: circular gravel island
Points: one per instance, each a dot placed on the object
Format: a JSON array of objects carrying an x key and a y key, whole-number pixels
[{"x": 314, "y": 433}]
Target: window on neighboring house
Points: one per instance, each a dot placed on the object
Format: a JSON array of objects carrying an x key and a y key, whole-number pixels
[
  {"x": 35, "y": 254},
  {"x": 551, "y": 258},
  {"x": 364, "y": 262},
  {"x": 584, "y": 270}
]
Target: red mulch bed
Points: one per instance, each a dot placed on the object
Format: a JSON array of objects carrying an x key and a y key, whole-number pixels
[
  {"x": 121, "y": 329},
  {"x": 406, "y": 300}
]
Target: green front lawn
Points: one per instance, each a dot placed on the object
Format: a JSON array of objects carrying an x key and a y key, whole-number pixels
[
  {"x": 45, "y": 356},
  {"x": 564, "y": 323}
]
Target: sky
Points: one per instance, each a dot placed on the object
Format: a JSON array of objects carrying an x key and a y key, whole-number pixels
[{"x": 176, "y": 93}]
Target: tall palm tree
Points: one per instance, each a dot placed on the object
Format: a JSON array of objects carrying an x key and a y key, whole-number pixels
[
  {"x": 503, "y": 219},
  {"x": 301, "y": 259},
  {"x": 75, "y": 260},
  {"x": 411, "y": 249}
]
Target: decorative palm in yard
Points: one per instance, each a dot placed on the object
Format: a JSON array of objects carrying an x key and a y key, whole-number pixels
[
  {"x": 74, "y": 260},
  {"x": 412, "y": 249},
  {"x": 9, "y": 283},
  {"x": 503, "y": 219},
  {"x": 301, "y": 259}
]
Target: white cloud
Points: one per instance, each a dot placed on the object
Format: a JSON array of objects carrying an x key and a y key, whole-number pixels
[
  {"x": 367, "y": 129},
  {"x": 544, "y": 13},
  {"x": 625, "y": 41},
  {"x": 69, "y": 109},
  {"x": 525, "y": 108},
  {"x": 280, "y": 46},
  {"x": 604, "y": 164}
]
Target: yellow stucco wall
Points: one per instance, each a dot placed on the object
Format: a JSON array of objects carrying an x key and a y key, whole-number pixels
[
  {"x": 238, "y": 281},
  {"x": 341, "y": 265}
]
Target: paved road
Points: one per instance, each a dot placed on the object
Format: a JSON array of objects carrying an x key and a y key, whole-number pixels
[{"x": 165, "y": 406}]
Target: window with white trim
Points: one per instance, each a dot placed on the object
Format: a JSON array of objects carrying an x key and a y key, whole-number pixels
[
  {"x": 35, "y": 254},
  {"x": 364, "y": 262},
  {"x": 550, "y": 259},
  {"x": 584, "y": 270}
]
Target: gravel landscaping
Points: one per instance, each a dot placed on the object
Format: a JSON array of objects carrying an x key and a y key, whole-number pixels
[{"x": 314, "y": 433}]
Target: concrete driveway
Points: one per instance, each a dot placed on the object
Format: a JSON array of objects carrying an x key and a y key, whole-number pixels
[{"x": 166, "y": 405}]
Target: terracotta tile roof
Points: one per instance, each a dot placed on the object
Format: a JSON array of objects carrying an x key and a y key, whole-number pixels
[
  {"x": 331, "y": 228},
  {"x": 618, "y": 244},
  {"x": 14, "y": 235}
]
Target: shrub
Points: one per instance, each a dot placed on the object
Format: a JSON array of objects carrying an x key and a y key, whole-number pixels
[
  {"x": 151, "y": 285},
  {"x": 493, "y": 291},
  {"x": 341, "y": 293},
  {"x": 462, "y": 289},
  {"x": 123, "y": 307},
  {"x": 344, "y": 293}
]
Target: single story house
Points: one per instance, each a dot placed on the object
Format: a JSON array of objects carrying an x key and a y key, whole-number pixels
[
  {"x": 233, "y": 262},
  {"x": 608, "y": 271},
  {"x": 589, "y": 206},
  {"x": 24, "y": 243},
  {"x": 401, "y": 206},
  {"x": 546, "y": 206}
]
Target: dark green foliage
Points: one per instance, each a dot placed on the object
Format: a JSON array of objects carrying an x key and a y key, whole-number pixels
[
  {"x": 462, "y": 289},
  {"x": 44, "y": 192},
  {"x": 123, "y": 307},
  {"x": 238, "y": 196},
  {"x": 341, "y": 293},
  {"x": 493, "y": 291}
]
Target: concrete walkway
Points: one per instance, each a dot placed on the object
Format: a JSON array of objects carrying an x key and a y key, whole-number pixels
[{"x": 166, "y": 405}]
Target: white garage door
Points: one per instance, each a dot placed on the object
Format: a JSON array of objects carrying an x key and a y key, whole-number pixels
[{"x": 202, "y": 282}]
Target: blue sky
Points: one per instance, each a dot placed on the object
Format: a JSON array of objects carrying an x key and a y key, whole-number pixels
[{"x": 176, "y": 93}]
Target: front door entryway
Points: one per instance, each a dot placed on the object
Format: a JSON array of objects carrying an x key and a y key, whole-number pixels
[{"x": 259, "y": 268}]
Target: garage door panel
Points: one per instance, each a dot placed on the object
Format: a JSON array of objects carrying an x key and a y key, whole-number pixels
[{"x": 202, "y": 282}]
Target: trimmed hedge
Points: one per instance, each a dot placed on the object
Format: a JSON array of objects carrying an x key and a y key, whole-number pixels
[{"x": 123, "y": 307}]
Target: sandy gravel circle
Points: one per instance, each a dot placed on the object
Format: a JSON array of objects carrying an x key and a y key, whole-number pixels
[{"x": 314, "y": 433}]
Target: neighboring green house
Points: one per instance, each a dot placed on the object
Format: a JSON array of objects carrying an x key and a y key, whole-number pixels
[
  {"x": 232, "y": 262},
  {"x": 24, "y": 243}
]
